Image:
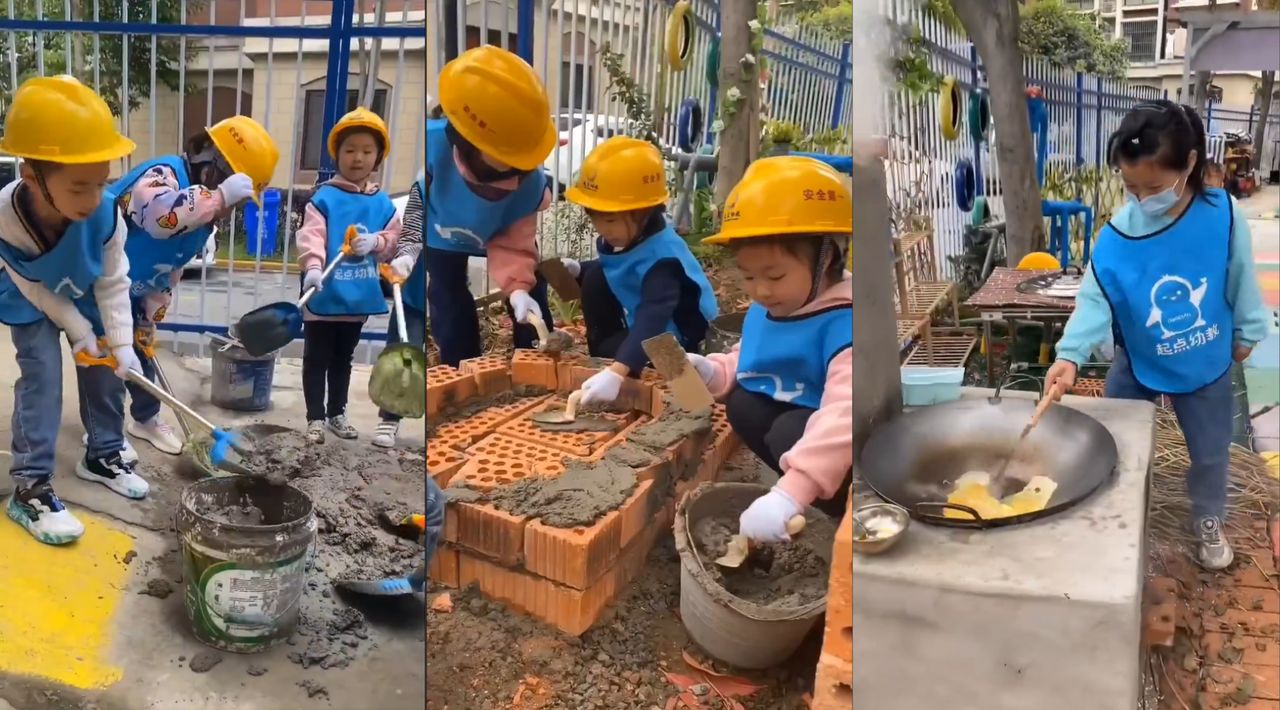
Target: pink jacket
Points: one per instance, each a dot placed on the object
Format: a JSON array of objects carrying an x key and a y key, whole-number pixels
[
  {"x": 312, "y": 237},
  {"x": 819, "y": 462}
]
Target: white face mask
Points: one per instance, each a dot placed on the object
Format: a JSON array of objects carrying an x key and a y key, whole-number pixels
[{"x": 1161, "y": 202}]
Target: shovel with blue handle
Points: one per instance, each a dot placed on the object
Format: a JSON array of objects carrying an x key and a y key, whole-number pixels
[
  {"x": 415, "y": 583},
  {"x": 225, "y": 441},
  {"x": 268, "y": 328}
]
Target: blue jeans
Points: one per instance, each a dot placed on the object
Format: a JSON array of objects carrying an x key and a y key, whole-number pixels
[
  {"x": 37, "y": 404},
  {"x": 143, "y": 406},
  {"x": 1205, "y": 417},
  {"x": 455, "y": 326},
  {"x": 435, "y": 517},
  {"x": 415, "y": 326}
]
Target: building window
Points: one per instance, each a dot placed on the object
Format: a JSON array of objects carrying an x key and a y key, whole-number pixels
[
  {"x": 1079, "y": 4},
  {"x": 1142, "y": 38},
  {"x": 314, "y": 140}
]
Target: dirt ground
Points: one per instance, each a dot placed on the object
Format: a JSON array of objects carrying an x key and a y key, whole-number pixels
[{"x": 481, "y": 655}]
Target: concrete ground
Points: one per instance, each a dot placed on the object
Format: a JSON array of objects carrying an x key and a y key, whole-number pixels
[{"x": 75, "y": 632}]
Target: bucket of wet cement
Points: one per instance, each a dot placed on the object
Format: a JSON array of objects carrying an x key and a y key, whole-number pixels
[
  {"x": 724, "y": 332},
  {"x": 246, "y": 546},
  {"x": 757, "y": 615},
  {"x": 241, "y": 382}
]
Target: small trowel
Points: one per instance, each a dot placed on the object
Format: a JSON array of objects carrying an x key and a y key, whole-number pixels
[
  {"x": 392, "y": 587},
  {"x": 670, "y": 360},
  {"x": 560, "y": 280},
  {"x": 560, "y": 416},
  {"x": 549, "y": 341},
  {"x": 739, "y": 548}
]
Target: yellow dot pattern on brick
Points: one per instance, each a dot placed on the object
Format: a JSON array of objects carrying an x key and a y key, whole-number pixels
[{"x": 57, "y": 610}]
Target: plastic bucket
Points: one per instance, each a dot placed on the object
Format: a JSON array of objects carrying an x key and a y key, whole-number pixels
[
  {"x": 734, "y": 630},
  {"x": 724, "y": 332},
  {"x": 243, "y": 582},
  {"x": 241, "y": 382},
  {"x": 261, "y": 225},
  {"x": 923, "y": 386}
]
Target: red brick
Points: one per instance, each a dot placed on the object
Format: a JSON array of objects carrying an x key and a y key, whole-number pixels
[
  {"x": 579, "y": 443},
  {"x": 1160, "y": 612},
  {"x": 1266, "y": 680},
  {"x": 577, "y": 557},
  {"x": 1255, "y": 650},
  {"x": 1251, "y": 598},
  {"x": 482, "y": 528},
  {"x": 491, "y": 373},
  {"x": 1219, "y": 701},
  {"x": 725, "y": 441},
  {"x": 462, "y": 433},
  {"x": 484, "y": 472},
  {"x": 564, "y": 370},
  {"x": 1248, "y": 575},
  {"x": 447, "y": 387},
  {"x": 571, "y": 610},
  {"x": 833, "y": 686},
  {"x": 530, "y": 368},
  {"x": 503, "y": 448},
  {"x": 443, "y": 463},
  {"x": 1251, "y": 623},
  {"x": 838, "y": 635},
  {"x": 444, "y": 566}
]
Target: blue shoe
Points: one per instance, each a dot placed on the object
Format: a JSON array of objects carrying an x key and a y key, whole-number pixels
[{"x": 40, "y": 512}]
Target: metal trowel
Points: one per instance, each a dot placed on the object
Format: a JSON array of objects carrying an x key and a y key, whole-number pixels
[
  {"x": 560, "y": 416},
  {"x": 739, "y": 548},
  {"x": 392, "y": 587},
  {"x": 549, "y": 341},
  {"x": 670, "y": 360}
]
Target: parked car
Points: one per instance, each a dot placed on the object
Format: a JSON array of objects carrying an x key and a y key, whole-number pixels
[
  {"x": 207, "y": 258},
  {"x": 580, "y": 133}
]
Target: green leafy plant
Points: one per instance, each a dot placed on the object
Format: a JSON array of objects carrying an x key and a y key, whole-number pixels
[
  {"x": 624, "y": 89},
  {"x": 1071, "y": 39},
  {"x": 784, "y": 132},
  {"x": 910, "y": 64}
]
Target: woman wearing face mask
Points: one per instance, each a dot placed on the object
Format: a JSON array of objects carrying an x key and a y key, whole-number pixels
[
  {"x": 1172, "y": 277},
  {"x": 484, "y": 189}
]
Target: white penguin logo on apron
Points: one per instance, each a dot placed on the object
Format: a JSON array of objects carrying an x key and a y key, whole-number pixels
[
  {"x": 460, "y": 236},
  {"x": 1175, "y": 305},
  {"x": 779, "y": 393}
]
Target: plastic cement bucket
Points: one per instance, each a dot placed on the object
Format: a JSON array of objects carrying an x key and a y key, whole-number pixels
[
  {"x": 241, "y": 382},
  {"x": 244, "y": 575},
  {"x": 733, "y": 630},
  {"x": 724, "y": 332}
]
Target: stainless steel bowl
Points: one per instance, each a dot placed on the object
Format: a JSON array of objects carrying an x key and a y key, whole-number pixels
[{"x": 872, "y": 517}]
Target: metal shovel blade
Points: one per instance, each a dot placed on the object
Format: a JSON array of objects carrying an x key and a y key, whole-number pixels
[
  {"x": 398, "y": 383},
  {"x": 268, "y": 328},
  {"x": 392, "y": 587},
  {"x": 560, "y": 416}
]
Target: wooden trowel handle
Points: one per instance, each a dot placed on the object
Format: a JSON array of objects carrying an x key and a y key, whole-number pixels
[
  {"x": 795, "y": 525},
  {"x": 1041, "y": 408}
]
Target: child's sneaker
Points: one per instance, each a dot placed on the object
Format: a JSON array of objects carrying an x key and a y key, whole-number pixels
[
  {"x": 41, "y": 513},
  {"x": 159, "y": 434},
  {"x": 340, "y": 426},
  {"x": 128, "y": 453},
  {"x": 384, "y": 437},
  {"x": 1215, "y": 551},
  {"x": 114, "y": 473},
  {"x": 315, "y": 431}
]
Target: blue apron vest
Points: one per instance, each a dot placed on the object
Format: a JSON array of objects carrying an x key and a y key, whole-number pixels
[
  {"x": 152, "y": 260},
  {"x": 70, "y": 269},
  {"x": 414, "y": 290},
  {"x": 458, "y": 219},
  {"x": 787, "y": 359},
  {"x": 353, "y": 288},
  {"x": 1168, "y": 296},
  {"x": 625, "y": 272}
]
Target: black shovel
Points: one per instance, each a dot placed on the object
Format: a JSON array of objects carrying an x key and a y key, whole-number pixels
[{"x": 268, "y": 328}]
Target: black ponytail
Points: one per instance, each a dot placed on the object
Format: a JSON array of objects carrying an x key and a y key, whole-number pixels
[{"x": 1166, "y": 132}]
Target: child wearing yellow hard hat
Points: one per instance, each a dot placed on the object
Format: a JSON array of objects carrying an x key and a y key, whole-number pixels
[
  {"x": 645, "y": 280},
  {"x": 788, "y": 386},
  {"x": 485, "y": 188},
  {"x": 333, "y": 319},
  {"x": 170, "y": 204},
  {"x": 64, "y": 271}
]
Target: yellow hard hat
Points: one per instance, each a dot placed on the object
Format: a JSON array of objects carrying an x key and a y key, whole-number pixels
[
  {"x": 1039, "y": 261},
  {"x": 621, "y": 174},
  {"x": 361, "y": 117},
  {"x": 787, "y": 194},
  {"x": 248, "y": 149},
  {"x": 496, "y": 101},
  {"x": 59, "y": 120}
]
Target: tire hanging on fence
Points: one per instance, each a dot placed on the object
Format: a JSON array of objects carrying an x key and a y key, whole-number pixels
[
  {"x": 689, "y": 125},
  {"x": 979, "y": 116},
  {"x": 949, "y": 108},
  {"x": 679, "y": 40},
  {"x": 981, "y": 212},
  {"x": 966, "y": 185},
  {"x": 713, "y": 64}
]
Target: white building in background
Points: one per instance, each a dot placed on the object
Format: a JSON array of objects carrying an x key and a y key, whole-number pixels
[{"x": 1158, "y": 43}]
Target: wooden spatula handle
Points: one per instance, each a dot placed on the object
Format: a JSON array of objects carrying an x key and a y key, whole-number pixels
[{"x": 795, "y": 525}]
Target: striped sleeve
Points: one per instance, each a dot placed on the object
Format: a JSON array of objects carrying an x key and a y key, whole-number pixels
[{"x": 410, "y": 243}]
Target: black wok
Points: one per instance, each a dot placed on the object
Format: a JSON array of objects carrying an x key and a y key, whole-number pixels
[{"x": 914, "y": 460}]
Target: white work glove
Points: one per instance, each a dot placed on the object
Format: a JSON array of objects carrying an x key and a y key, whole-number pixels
[
  {"x": 572, "y": 266},
  {"x": 126, "y": 360},
  {"x": 705, "y": 369},
  {"x": 602, "y": 387},
  {"x": 766, "y": 519},
  {"x": 364, "y": 243},
  {"x": 236, "y": 189},
  {"x": 523, "y": 304},
  {"x": 403, "y": 266},
  {"x": 87, "y": 345},
  {"x": 313, "y": 279}
]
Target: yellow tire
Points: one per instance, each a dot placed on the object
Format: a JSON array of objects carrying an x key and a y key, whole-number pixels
[
  {"x": 949, "y": 108},
  {"x": 679, "y": 41}
]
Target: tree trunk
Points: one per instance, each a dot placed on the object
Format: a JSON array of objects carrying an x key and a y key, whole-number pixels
[
  {"x": 735, "y": 140},
  {"x": 1200, "y": 93},
  {"x": 875, "y": 341},
  {"x": 1266, "y": 97},
  {"x": 992, "y": 26}
]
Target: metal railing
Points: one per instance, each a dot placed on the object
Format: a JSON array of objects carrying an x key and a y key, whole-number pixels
[{"x": 169, "y": 70}]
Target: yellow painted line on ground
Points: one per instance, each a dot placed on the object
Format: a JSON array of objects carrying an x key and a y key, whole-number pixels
[{"x": 57, "y": 604}]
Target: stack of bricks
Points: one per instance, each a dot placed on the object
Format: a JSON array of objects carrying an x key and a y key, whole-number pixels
[
  {"x": 565, "y": 577},
  {"x": 833, "y": 687}
]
